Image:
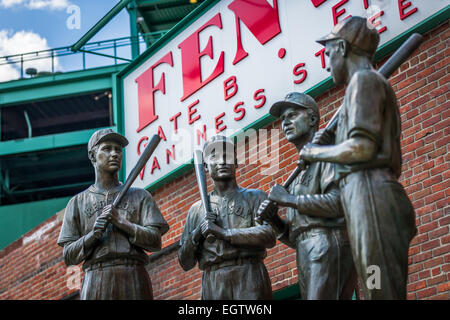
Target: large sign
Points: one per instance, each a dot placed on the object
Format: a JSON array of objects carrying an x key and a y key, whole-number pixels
[{"x": 231, "y": 62}]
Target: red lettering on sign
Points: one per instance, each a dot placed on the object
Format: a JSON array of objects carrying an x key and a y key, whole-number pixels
[
  {"x": 258, "y": 95},
  {"x": 321, "y": 53},
  {"x": 191, "y": 59},
  {"x": 218, "y": 121},
  {"x": 402, "y": 9},
  {"x": 141, "y": 174},
  {"x": 175, "y": 121},
  {"x": 146, "y": 92},
  {"x": 170, "y": 154},
  {"x": 239, "y": 110},
  {"x": 377, "y": 23},
  {"x": 161, "y": 133},
  {"x": 155, "y": 165},
  {"x": 144, "y": 138},
  {"x": 299, "y": 71},
  {"x": 336, "y": 13},
  {"x": 281, "y": 53},
  {"x": 366, "y": 4},
  {"x": 201, "y": 134},
  {"x": 259, "y": 17},
  {"x": 228, "y": 84},
  {"x": 317, "y": 3},
  {"x": 191, "y": 111}
]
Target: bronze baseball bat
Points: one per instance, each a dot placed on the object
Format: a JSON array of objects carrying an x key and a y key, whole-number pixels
[
  {"x": 393, "y": 63},
  {"x": 202, "y": 188},
  {"x": 137, "y": 168}
]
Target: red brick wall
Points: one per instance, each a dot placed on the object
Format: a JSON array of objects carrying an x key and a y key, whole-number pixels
[{"x": 32, "y": 267}]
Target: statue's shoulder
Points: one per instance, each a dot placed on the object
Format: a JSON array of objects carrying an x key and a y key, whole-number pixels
[
  {"x": 80, "y": 196},
  {"x": 253, "y": 193},
  {"x": 196, "y": 206},
  {"x": 366, "y": 77},
  {"x": 139, "y": 192}
]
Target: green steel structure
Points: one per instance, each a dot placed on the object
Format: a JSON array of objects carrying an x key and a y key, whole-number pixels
[{"x": 46, "y": 120}]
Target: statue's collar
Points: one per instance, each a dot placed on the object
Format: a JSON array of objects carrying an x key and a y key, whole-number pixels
[
  {"x": 228, "y": 194},
  {"x": 94, "y": 189}
]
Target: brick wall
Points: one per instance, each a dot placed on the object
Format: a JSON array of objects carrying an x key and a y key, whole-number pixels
[{"x": 32, "y": 267}]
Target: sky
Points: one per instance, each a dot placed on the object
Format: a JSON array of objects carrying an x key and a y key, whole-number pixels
[{"x": 33, "y": 25}]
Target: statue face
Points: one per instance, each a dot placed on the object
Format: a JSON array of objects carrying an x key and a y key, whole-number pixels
[
  {"x": 109, "y": 157},
  {"x": 221, "y": 164},
  {"x": 335, "y": 51},
  {"x": 295, "y": 123}
]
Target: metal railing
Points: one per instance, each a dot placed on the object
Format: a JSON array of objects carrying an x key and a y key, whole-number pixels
[{"x": 93, "y": 48}]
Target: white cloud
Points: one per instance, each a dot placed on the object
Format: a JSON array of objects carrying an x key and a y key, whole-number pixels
[
  {"x": 10, "y": 3},
  {"x": 23, "y": 42},
  {"x": 36, "y": 4},
  {"x": 7, "y": 72}
]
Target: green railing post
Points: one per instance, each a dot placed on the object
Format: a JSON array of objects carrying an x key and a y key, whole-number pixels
[
  {"x": 115, "y": 52},
  {"x": 21, "y": 66},
  {"x": 53, "y": 61},
  {"x": 132, "y": 10}
]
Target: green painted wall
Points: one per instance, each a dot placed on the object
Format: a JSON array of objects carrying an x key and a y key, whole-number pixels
[{"x": 18, "y": 219}]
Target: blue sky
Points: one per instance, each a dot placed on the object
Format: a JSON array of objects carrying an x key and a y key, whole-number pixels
[{"x": 32, "y": 25}]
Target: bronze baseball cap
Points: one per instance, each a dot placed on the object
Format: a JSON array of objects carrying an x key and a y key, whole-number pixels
[
  {"x": 296, "y": 100},
  {"x": 104, "y": 135},
  {"x": 357, "y": 31},
  {"x": 211, "y": 144}
]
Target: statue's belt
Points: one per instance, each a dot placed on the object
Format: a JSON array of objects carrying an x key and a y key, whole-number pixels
[
  {"x": 233, "y": 262},
  {"x": 113, "y": 263}
]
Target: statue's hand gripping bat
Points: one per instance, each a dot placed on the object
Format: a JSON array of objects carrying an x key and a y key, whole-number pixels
[{"x": 202, "y": 188}]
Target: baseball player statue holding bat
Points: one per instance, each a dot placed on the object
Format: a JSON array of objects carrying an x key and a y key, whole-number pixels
[
  {"x": 379, "y": 215},
  {"x": 227, "y": 243},
  {"x": 314, "y": 224},
  {"x": 109, "y": 227}
]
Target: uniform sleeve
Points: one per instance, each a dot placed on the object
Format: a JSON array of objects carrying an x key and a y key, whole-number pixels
[
  {"x": 283, "y": 235},
  {"x": 327, "y": 203},
  {"x": 366, "y": 96},
  {"x": 188, "y": 251},
  {"x": 147, "y": 234},
  {"x": 258, "y": 236},
  {"x": 70, "y": 237}
]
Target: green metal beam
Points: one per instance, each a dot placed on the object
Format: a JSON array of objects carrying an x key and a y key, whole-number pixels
[
  {"x": 27, "y": 120},
  {"x": 44, "y": 158},
  {"x": 134, "y": 32},
  {"x": 47, "y": 142},
  {"x": 65, "y": 84},
  {"x": 145, "y": 29},
  {"x": 50, "y": 175},
  {"x": 100, "y": 24},
  {"x": 144, "y": 3},
  {"x": 105, "y": 55},
  {"x": 59, "y": 187}
]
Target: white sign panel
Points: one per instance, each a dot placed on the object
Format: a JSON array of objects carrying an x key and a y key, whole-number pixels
[{"x": 226, "y": 68}]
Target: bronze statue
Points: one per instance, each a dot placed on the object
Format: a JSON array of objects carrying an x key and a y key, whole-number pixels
[
  {"x": 314, "y": 224},
  {"x": 111, "y": 242},
  {"x": 227, "y": 243},
  {"x": 380, "y": 218}
]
